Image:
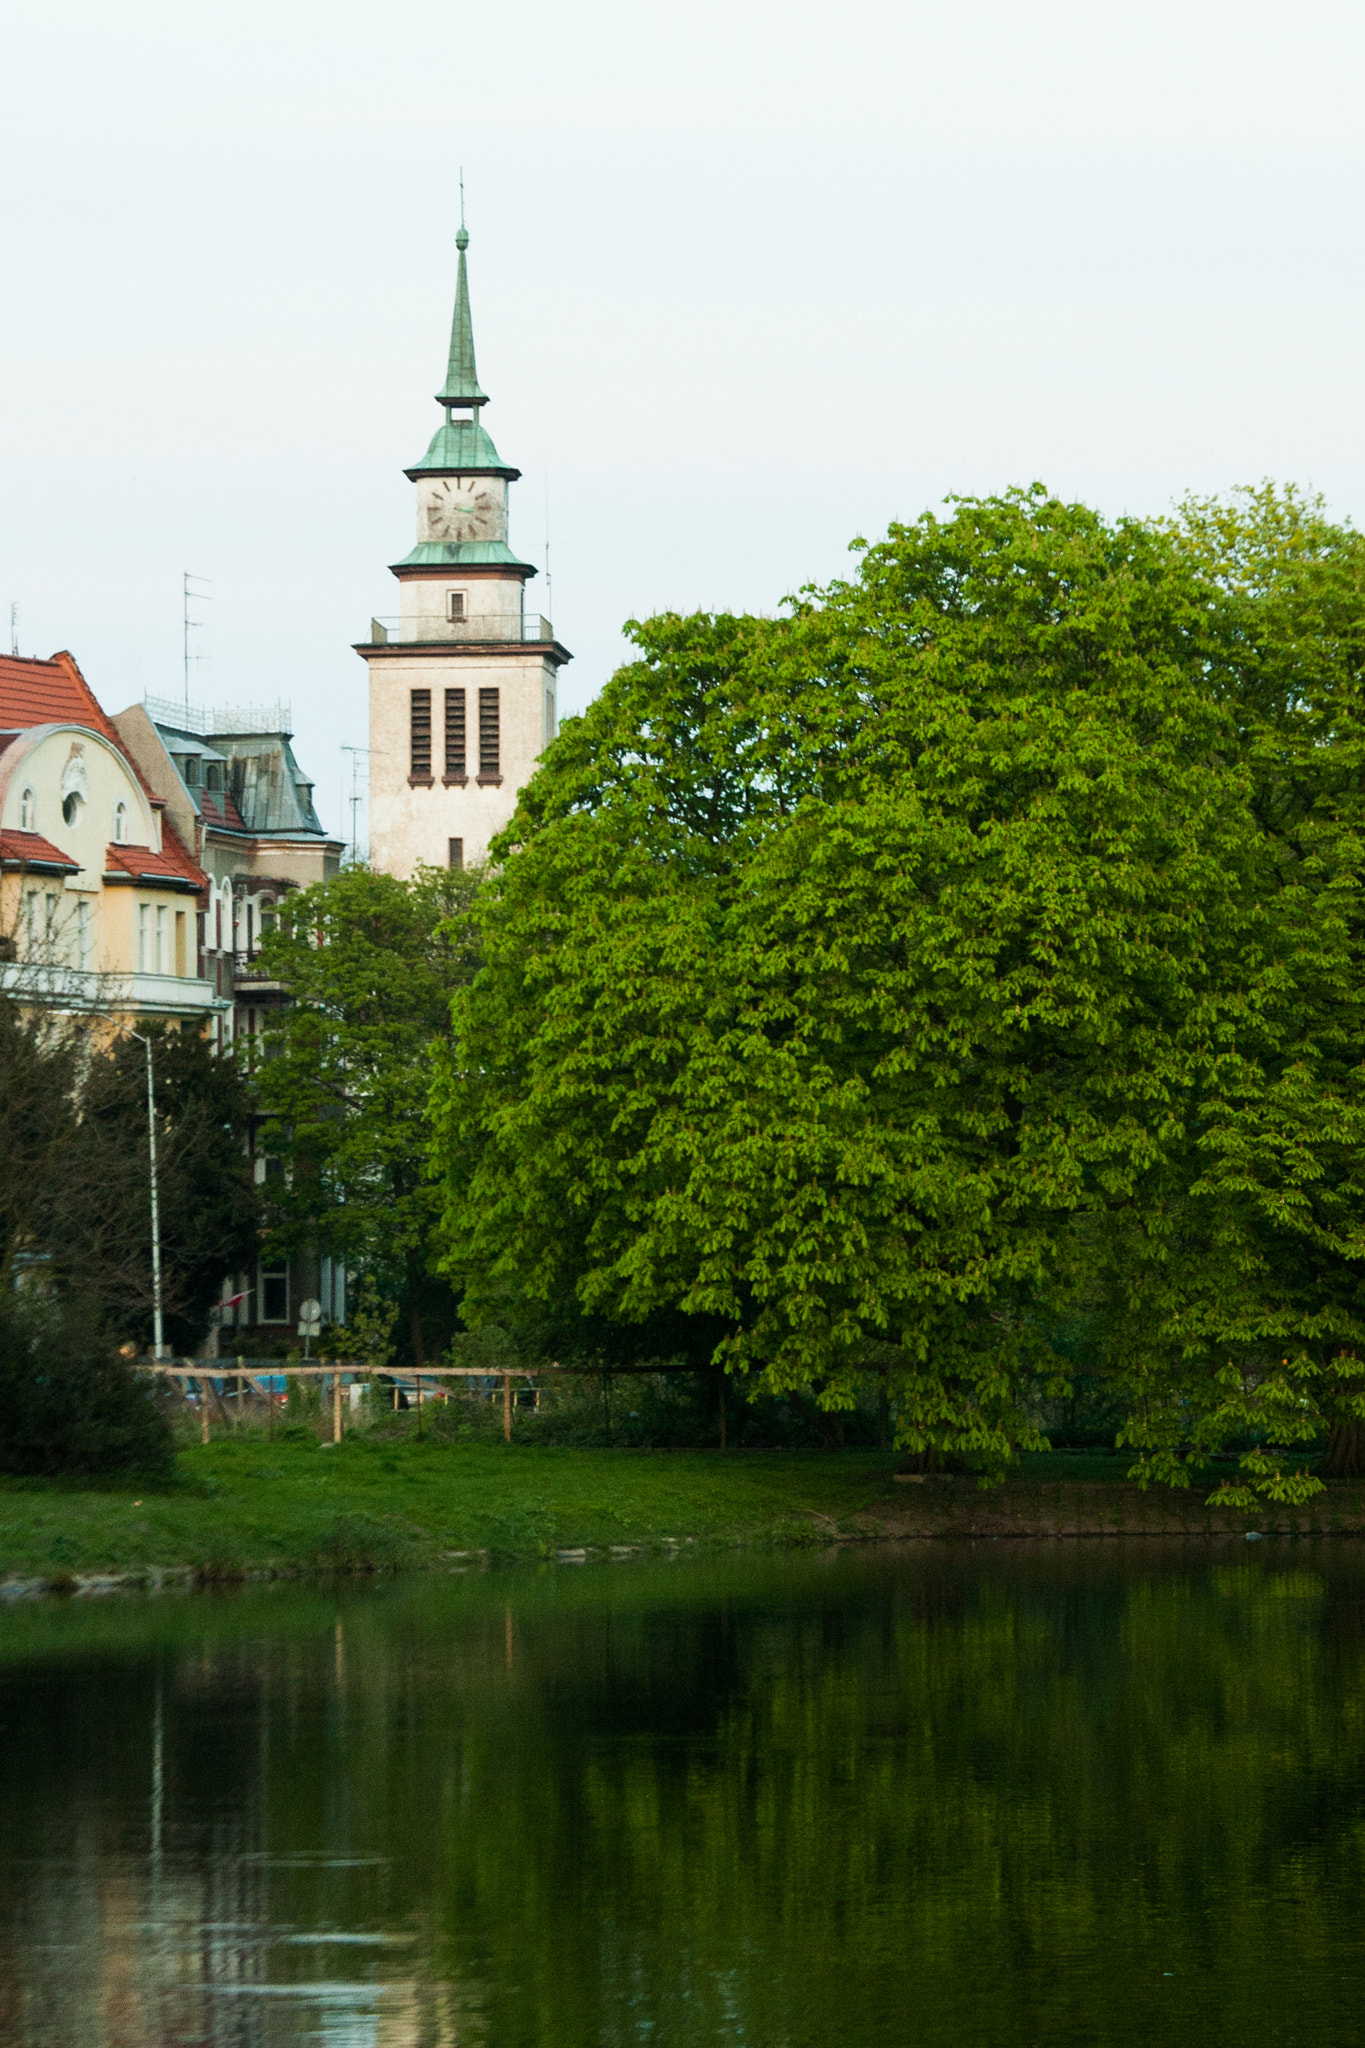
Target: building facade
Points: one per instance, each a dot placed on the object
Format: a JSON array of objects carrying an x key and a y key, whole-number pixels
[
  {"x": 462, "y": 680},
  {"x": 240, "y": 798},
  {"x": 100, "y": 898}
]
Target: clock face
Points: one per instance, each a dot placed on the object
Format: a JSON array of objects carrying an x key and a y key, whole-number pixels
[{"x": 462, "y": 508}]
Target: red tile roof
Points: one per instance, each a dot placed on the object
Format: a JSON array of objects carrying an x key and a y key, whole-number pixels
[
  {"x": 31, "y": 850},
  {"x": 145, "y": 866},
  {"x": 56, "y": 693},
  {"x": 222, "y": 810}
]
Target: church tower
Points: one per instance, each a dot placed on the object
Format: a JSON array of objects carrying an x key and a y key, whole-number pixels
[{"x": 462, "y": 681}]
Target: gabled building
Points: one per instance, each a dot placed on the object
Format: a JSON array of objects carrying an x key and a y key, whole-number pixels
[
  {"x": 240, "y": 799},
  {"x": 101, "y": 899},
  {"x": 463, "y": 679}
]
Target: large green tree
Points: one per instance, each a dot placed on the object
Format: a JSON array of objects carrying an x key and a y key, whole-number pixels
[
  {"x": 896, "y": 976},
  {"x": 371, "y": 963}
]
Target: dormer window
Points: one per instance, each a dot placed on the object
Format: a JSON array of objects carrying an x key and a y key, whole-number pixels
[
  {"x": 28, "y": 812},
  {"x": 120, "y": 824},
  {"x": 455, "y": 606}
]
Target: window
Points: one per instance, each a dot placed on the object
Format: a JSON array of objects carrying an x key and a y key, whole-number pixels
[
  {"x": 549, "y": 716},
  {"x": 28, "y": 812},
  {"x": 83, "y": 923},
  {"x": 489, "y": 736},
  {"x": 50, "y": 916},
  {"x": 144, "y": 939},
  {"x": 181, "y": 963},
  {"x": 213, "y": 775},
  {"x": 455, "y": 606},
  {"x": 121, "y": 824},
  {"x": 71, "y": 808},
  {"x": 456, "y": 847},
  {"x": 160, "y": 938},
  {"x": 455, "y": 743},
  {"x": 31, "y": 922},
  {"x": 274, "y": 1295},
  {"x": 421, "y": 736}
]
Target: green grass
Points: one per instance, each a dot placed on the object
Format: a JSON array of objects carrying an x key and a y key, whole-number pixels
[
  {"x": 249, "y": 1504},
  {"x": 302, "y": 1506}
]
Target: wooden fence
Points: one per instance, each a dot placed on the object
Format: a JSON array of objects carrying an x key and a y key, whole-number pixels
[{"x": 206, "y": 1371}]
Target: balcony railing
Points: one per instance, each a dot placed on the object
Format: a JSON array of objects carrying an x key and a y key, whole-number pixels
[{"x": 434, "y": 627}]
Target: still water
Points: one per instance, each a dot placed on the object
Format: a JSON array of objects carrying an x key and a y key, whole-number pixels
[{"x": 1036, "y": 1794}]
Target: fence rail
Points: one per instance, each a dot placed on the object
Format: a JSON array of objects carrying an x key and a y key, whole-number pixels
[{"x": 208, "y": 1370}]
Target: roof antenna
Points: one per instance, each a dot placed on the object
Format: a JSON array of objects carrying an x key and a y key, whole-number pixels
[
  {"x": 14, "y": 626},
  {"x": 461, "y": 195}
]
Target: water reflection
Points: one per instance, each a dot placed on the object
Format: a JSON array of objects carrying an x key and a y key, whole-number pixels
[{"x": 1053, "y": 1794}]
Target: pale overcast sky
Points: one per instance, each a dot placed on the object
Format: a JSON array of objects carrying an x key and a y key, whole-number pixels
[{"x": 747, "y": 279}]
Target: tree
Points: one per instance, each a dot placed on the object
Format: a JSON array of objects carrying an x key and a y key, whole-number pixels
[
  {"x": 76, "y": 1197},
  {"x": 371, "y": 963},
  {"x": 210, "y": 1210},
  {"x": 909, "y": 971}
]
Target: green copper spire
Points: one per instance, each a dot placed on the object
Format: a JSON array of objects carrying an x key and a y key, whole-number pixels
[{"x": 462, "y": 382}]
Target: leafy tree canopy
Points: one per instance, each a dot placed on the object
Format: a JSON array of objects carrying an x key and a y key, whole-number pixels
[
  {"x": 371, "y": 963},
  {"x": 972, "y": 946}
]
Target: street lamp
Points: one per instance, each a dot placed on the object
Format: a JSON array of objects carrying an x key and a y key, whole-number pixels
[{"x": 158, "y": 1347}]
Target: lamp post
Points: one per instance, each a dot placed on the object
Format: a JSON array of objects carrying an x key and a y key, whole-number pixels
[{"x": 158, "y": 1346}]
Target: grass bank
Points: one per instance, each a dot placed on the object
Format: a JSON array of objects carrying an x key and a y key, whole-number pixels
[{"x": 249, "y": 1505}]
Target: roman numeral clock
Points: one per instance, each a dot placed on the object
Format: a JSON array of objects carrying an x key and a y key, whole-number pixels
[{"x": 462, "y": 682}]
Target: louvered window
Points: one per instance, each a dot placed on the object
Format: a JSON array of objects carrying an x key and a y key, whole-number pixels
[
  {"x": 455, "y": 741},
  {"x": 421, "y": 734},
  {"x": 489, "y": 735}
]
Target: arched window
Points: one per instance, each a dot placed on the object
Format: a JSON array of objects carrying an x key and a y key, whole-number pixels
[
  {"x": 28, "y": 812},
  {"x": 121, "y": 824}
]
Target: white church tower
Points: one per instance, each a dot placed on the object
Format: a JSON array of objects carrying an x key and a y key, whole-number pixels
[{"x": 462, "y": 682}]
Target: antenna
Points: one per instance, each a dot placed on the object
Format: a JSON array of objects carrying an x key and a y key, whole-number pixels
[
  {"x": 549, "y": 579},
  {"x": 355, "y": 799},
  {"x": 192, "y": 625},
  {"x": 461, "y": 195},
  {"x": 14, "y": 626}
]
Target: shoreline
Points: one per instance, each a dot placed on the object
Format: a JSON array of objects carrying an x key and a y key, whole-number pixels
[{"x": 248, "y": 1511}]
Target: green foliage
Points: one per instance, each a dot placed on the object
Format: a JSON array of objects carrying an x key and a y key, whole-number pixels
[
  {"x": 68, "y": 1403},
  {"x": 209, "y": 1204},
  {"x": 971, "y": 950},
  {"x": 371, "y": 963},
  {"x": 76, "y": 1194}
]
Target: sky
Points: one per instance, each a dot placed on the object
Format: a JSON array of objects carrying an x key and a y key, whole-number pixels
[{"x": 748, "y": 280}]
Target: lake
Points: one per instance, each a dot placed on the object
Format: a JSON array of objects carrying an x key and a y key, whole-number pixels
[{"x": 1036, "y": 1793}]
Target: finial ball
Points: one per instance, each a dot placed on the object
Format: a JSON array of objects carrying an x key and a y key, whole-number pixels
[{"x": 462, "y": 239}]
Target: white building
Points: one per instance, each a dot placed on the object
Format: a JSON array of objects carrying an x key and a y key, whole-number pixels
[{"x": 462, "y": 680}]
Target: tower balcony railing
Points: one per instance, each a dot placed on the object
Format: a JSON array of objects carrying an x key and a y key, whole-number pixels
[{"x": 433, "y": 627}]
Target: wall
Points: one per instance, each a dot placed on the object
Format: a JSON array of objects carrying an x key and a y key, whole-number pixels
[{"x": 411, "y": 825}]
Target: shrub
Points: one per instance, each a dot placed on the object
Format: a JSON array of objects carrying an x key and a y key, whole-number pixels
[{"x": 68, "y": 1402}]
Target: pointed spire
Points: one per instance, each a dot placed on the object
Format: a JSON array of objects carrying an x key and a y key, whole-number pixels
[{"x": 462, "y": 384}]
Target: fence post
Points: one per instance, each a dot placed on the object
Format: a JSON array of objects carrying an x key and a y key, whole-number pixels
[
  {"x": 507, "y": 1407},
  {"x": 203, "y": 1408},
  {"x": 336, "y": 1404}
]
